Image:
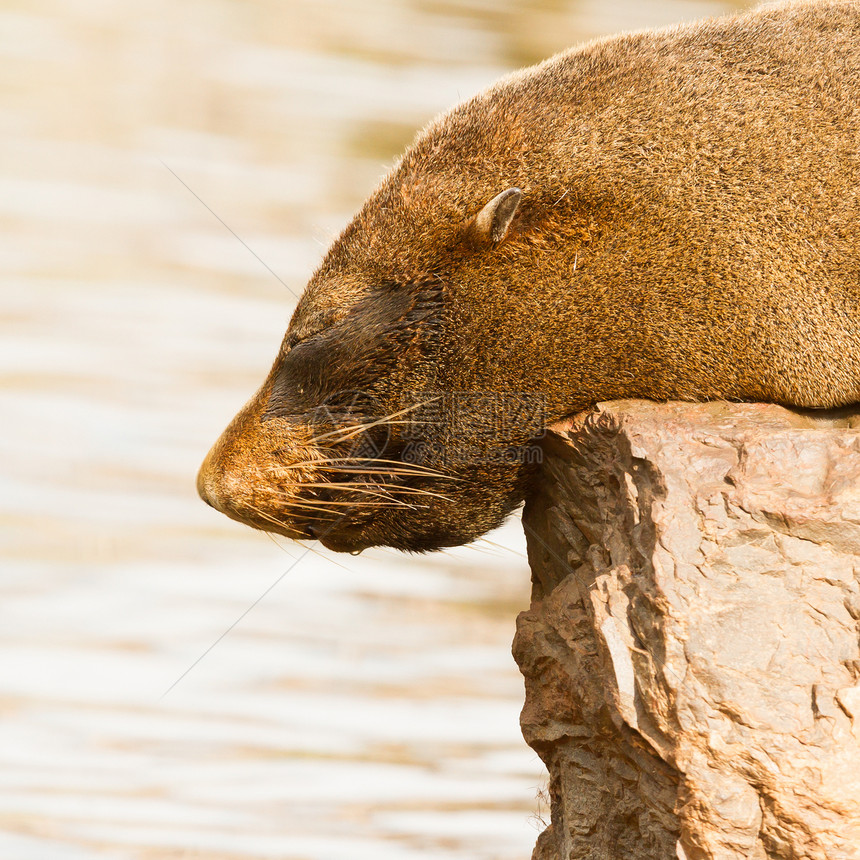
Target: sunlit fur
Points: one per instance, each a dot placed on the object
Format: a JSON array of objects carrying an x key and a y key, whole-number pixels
[{"x": 687, "y": 227}]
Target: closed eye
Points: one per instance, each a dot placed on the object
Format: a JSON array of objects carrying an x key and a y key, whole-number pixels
[
  {"x": 322, "y": 324},
  {"x": 294, "y": 340}
]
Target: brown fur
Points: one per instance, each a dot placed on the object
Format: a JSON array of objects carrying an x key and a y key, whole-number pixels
[{"x": 689, "y": 229}]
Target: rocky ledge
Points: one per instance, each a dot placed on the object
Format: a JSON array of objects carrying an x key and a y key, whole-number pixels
[{"x": 691, "y": 652}]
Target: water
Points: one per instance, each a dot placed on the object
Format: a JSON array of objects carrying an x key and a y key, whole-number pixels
[{"x": 356, "y": 707}]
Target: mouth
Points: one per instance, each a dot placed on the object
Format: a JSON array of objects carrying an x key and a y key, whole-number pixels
[
  {"x": 283, "y": 482},
  {"x": 338, "y": 541},
  {"x": 265, "y": 522},
  {"x": 302, "y": 518},
  {"x": 242, "y": 508}
]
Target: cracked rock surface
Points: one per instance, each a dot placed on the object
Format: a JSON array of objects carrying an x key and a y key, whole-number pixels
[{"x": 691, "y": 651}]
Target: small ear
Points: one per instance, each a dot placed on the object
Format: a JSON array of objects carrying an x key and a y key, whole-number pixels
[{"x": 493, "y": 221}]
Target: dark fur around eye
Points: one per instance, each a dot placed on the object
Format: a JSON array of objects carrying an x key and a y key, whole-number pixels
[{"x": 393, "y": 323}]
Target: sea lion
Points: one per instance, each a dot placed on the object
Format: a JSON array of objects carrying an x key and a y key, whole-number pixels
[{"x": 671, "y": 214}]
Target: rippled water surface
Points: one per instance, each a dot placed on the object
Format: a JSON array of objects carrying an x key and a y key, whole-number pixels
[{"x": 356, "y": 707}]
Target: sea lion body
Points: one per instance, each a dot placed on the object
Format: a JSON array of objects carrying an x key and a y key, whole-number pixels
[{"x": 679, "y": 219}]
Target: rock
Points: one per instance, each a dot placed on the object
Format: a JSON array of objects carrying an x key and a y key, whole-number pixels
[{"x": 691, "y": 652}]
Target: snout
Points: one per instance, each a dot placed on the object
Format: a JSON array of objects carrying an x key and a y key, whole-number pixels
[
  {"x": 208, "y": 481},
  {"x": 249, "y": 493},
  {"x": 257, "y": 471},
  {"x": 223, "y": 480},
  {"x": 223, "y": 484}
]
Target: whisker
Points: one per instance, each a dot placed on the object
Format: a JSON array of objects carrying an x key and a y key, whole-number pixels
[
  {"x": 317, "y": 506},
  {"x": 381, "y": 490},
  {"x": 343, "y": 434},
  {"x": 353, "y": 459},
  {"x": 280, "y": 546},
  {"x": 502, "y": 547},
  {"x": 364, "y": 490},
  {"x": 308, "y": 547},
  {"x": 328, "y": 557},
  {"x": 384, "y": 420},
  {"x": 269, "y": 517},
  {"x": 481, "y": 550},
  {"x": 369, "y": 488},
  {"x": 360, "y": 470},
  {"x": 309, "y": 505},
  {"x": 324, "y": 505},
  {"x": 275, "y": 521},
  {"x": 417, "y": 491},
  {"x": 414, "y": 469}
]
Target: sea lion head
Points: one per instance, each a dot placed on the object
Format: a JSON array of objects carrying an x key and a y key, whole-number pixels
[
  {"x": 383, "y": 421},
  {"x": 608, "y": 224}
]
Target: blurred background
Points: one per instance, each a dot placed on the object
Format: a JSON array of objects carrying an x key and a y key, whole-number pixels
[{"x": 356, "y": 707}]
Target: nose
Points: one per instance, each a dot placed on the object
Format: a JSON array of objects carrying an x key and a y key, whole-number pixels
[
  {"x": 221, "y": 479},
  {"x": 203, "y": 488},
  {"x": 207, "y": 481}
]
